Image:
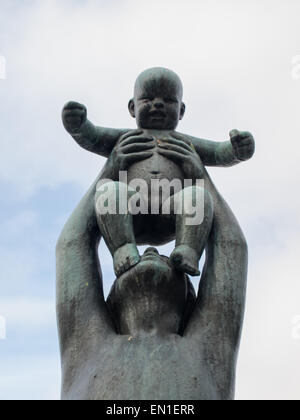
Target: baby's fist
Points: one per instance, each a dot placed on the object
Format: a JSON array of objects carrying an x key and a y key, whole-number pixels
[
  {"x": 73, "y": 116},
  {"x": 242, "y": 143}
]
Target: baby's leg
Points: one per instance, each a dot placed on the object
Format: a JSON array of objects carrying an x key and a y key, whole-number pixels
[
  {"x": 115, "y": 224},
  {"x": 193, "y": 208}
]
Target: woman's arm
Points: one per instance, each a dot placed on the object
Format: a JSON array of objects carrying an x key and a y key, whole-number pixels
[
  {"x": 216, "y": 323},
  {"x": 81, "y": 309}
]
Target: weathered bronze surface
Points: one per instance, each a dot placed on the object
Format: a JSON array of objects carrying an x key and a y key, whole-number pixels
[{"x": 152, "y": 338}]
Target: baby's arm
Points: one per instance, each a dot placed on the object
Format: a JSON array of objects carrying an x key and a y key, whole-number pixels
[
  {"x": 98, "y": 140},
  {"x": 239, "y": 148}
]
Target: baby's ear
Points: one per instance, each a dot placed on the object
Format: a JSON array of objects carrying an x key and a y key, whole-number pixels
[
  {"x": 131, "y": 108},
  {"x": 182, "y": 110}
]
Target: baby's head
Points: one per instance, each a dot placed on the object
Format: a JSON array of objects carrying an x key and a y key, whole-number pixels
[{"x": 157, "y": 102}]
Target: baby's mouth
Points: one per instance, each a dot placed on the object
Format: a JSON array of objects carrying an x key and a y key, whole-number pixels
[{"x": 157, "y": 114}]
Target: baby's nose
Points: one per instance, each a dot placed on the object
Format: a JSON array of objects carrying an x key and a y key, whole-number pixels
[{"x": 158, "y": 103}]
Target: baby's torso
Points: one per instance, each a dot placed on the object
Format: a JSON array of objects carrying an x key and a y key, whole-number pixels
[{"x": 157, "y": 166}]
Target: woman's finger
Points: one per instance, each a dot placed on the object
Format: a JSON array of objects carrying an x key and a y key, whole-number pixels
[
  {"x": 172, "y": 155},
  {"x": 177, "y": 136},
  {"x": 135, "y": 157},
  {"x": 177, "y": 143},
  {"x": 135, "y": 139},
  {"x": 174, "y": 148},
  {"x": 131, "y": 133},
  {"x": 136, "y": 147}
]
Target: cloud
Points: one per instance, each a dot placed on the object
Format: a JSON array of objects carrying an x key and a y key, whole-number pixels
[
  {"x": 229, "y": 80},
  {"x": 268, "y": 365},
  {"x": 26, "y": 249},
  {"x": 17, "y": 225},
  {"x": 26, "y": 312},
  {"x": 30, "y": 378},
  {"x": 235, "y": 60}
]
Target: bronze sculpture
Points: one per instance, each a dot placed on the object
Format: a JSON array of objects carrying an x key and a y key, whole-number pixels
[{"x": 152, "y": 332}]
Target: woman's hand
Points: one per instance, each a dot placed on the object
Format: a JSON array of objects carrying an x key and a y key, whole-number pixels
[
  {"x": 182, "y": 152},
  {"x": 132, "y": 147}
]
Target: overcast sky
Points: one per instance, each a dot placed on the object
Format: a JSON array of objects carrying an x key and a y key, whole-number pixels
[{"x": 240, "y": 66}]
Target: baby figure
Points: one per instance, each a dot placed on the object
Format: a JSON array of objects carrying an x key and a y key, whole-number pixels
[{"x": 154, "y": 153}]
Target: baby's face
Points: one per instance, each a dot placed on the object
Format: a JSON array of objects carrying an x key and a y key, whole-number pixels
[{"x": 158, "y": 104}]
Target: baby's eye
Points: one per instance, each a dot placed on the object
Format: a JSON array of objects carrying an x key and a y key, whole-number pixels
[{"x": 171, "y": 100}]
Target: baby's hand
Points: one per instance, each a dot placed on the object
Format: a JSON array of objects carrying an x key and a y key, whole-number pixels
[
  {"x": 242, "y": 143},
  {"x": 73, "y": 116}
]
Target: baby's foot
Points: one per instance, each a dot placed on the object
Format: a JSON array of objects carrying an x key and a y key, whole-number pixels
[
  {"x": 184, "y": 258},
  {"x": 126, "y": 257}
]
